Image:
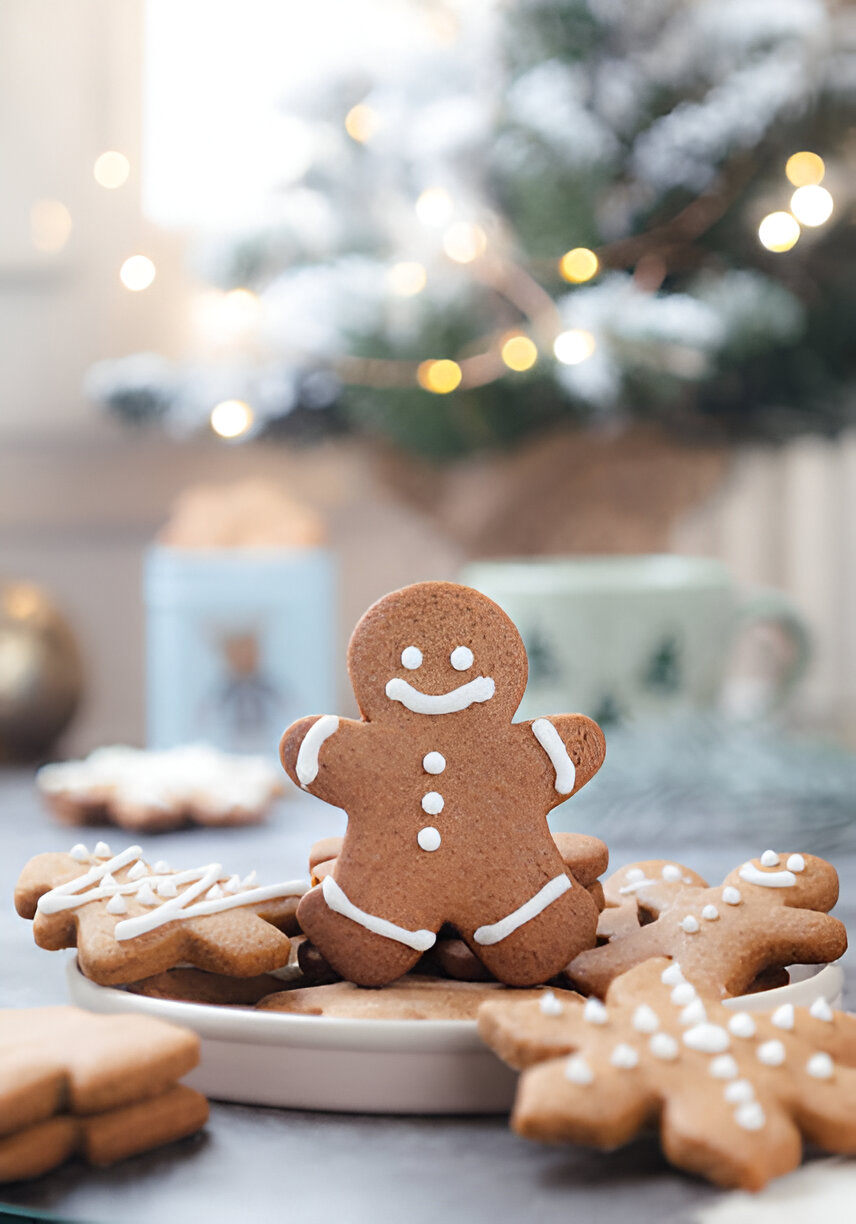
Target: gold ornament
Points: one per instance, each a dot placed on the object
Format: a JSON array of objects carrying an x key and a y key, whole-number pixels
[{"x": 41, "y": 673}]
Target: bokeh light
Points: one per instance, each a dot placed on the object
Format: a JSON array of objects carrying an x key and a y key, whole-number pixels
[
  {"x": 579, "y": 265},
  {"x": 779, "y": 231},
  {"x": 231, "y": 418},
  {"x": 434, "y": 206},
  {"x": 811, "y": 205},
  {"x": 50, "y": 225},
  {"x": 463, "y": 242},
  {"x": 572, "y": 347},
  {"x": 519, "y": 352},
  {"x": 361, "y": 123},
  {"x": 407, "y": 278},
  {"x": 805, "y": 169},
  {"x": 441, "y": 377},
  {"x": 111, "y": 170}
]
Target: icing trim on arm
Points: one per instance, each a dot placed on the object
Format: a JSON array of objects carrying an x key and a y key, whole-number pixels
[
  {"x": 460, "y": 698},
  {"x": 550, "y": 740},
  {"x": 336, "y": 900},
  {"x": 306, "y": 766},
  {"x": 766, "y": 879},
  {"x": 497, "y": 931}
]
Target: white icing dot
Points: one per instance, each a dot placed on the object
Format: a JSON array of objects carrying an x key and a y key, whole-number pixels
[
  {"x": 708, "y": 1038},
  {"x": 624, "y": 1056},
  {"x": 724, "y": 1066},
  {"x": 434, "y": 762},
  {"x": 671, "y": 872},
  {"x": 683, "y": 993},
  {"x": 645, "y": 1019},
  {"x": 578, "y": 1071},
  {"x": 750, "y": 1116},
  {"x": 138, "y": 870},
  {"x": 634, "y": 874},
  {"x": 710, "y": 913},
  {"x": 429, "y": 838},
  {"x": 820, "y": 1066},
  {"x": 433, "y": 803},
  {"x": 689, "y": 924},
  {"x": 771, "y": 1053},
  {"x": 116, "y": 905},
  {"x": 741, "y": 1024},
  {"x": 233, "y": 884},
  {"x": 672, "y": 975},
  {"x": 693, "y": 1013},
  {"x": 161, "y": 867},
  {"x": 102, "y": 850},
  {"x": 107, "y": 880},
  {"x": 796, "y": 862},
  {"x": 663, "y": 1045},
  {"x": 783, "y": 1017},
  {"x": 215, "y": 892},
  {"x": 821, "y": 1010},
  {"x": 145, "y": 895},
  {"x": 79, "y": 852},
  {"x": 769, "y": 859},
  {"x": 731, "y": 895},
  {"x": 167, "y": 888},
  {"x": 738, "y": 1091},
  {"x": 461, "y": 658},
  {"x": 411, "y": 657},
  {"x": 248, "y": 880},
  {"x": 594, "y": 1011},
  {"x": 549, "y": 1004}
]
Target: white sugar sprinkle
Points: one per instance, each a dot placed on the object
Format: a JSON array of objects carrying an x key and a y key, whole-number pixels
[
  {"x": 821, "y": 1010},
  {"x": 664, "y": 1046},
  {"x": 750, "y": 1116},
  {"x": 741, "y": 1024},
  {"x": 594, "y": 1011},
  {"x": 550, "y": 1005},
  {"x": 689, "y": 924},
  {"x": 783, "y": 1017},
  {"x": 820, "y": 1066}
]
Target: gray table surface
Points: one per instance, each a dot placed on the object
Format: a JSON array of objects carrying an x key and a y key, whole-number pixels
[{"x": 340, "y": 1168}]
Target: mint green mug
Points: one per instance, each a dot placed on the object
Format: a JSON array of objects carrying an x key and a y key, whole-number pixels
[{"x": 625, "y": 637}]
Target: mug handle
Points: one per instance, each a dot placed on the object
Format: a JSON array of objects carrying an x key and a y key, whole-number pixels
[{"x": 777, "y": 608}]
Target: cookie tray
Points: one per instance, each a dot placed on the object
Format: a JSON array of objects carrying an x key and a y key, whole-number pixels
[{"x": 366, "y": 1066}]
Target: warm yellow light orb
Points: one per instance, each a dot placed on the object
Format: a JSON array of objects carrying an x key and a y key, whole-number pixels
[
  {"x": 572, "y": 347},
  {"x": 805, "y": 169},
  {"x": 434, "y": 206},
  {"x": 579, "y": 265},
  {"x": 779, "y": 231},
  {"x": 240, "y": 309},
  {"x": 441, "y": 377},
  {"x": 811, "y": 205},
  {"x": 464, "y": 242},
  {"x": 407, "y": 278},
  {"x": 519, "y": 352},
  {"x": 111, "y": 170},
  {"x": 231, "y": 418},
  {"x": 361, "y": 123},
  {"x": 50, "y": 225},
  {"x": 137, "y": 273}
]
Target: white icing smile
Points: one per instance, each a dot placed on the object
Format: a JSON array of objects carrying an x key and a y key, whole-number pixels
[{"x": 482, "y": 688}]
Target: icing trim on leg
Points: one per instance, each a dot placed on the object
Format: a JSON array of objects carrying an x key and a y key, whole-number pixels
[
  {"x": 550, "y": 740},
  {"x": 306, "y": 766},
  {"x": 336, "y": 900},
  {"x": 524, "y": 913}
]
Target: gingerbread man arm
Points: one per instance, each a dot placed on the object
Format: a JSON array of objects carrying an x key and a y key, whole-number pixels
[
  {"x": 320, "y": 754},
  {"x": 804, "y": 937},
  {"x": 572, "y": 747}
]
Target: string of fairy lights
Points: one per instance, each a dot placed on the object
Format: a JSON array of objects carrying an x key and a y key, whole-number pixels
[{"x": 462, "y": 241}]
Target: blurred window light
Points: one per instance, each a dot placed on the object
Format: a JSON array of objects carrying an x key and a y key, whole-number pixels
[
  {"x": 441, "y": 377},
  {"x": 519, "y": 352},
  {"x": 111, "y": 170},
  {"x": 778, "y": 232},
  {"x": 811, "y": 205},
  {"x": 407, "y": 278},
  {"x": 434, "y": 206},
  {"x": 579, "y": 265},
  {"x": 137, "y": 273},
  {"x": 805, "y": 169},
  {"x": 572, "y": 347},
  {"x": 50, "y": 225},
  {"x": 463, "y": 242},
  {"x": 231, "y": 418},
  {"x": 361, "y": 123}
]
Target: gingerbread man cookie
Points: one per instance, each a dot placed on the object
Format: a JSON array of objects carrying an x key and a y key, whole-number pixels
[
  {"x": 733, "y": 1092},
  {"x": 447, "y": 799},
  {"x": 769, "y": 912},
  {"x": 620, "y": 915}
]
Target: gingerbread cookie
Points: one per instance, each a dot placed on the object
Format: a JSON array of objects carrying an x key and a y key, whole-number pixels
[
  {"x": 104, "y": 1086},
  {"x": 129, "y": 920},
  {"x": 446, "y": 798},
  {"x": 620, "y": 915},
  {"x": 216, "y": 989},
  {"x": 733, "y": 1092},
  {"x": 768, "y": 913},
  {"x": 155, "y": 791}
]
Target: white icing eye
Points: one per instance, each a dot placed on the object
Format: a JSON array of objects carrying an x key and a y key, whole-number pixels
[
  {"x": 461, "y": 658},
  {"x": 411, "y": 657}
]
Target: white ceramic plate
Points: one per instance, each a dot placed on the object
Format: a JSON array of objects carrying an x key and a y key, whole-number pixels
[{"x": 367, "y": 1066}]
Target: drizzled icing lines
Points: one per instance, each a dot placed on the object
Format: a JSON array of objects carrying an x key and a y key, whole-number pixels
[{"x": 209, "y": 890}]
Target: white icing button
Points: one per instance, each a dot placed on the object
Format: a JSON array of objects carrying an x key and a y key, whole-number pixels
[
  {"x": 672, "y": 975},
  {"x": 108, "y": 879},
  {"x": 634, "y": 874},
  {"x": 708, "y": 1038},
  {"x": 167, "y": 888},
  {"x": 102, "y": 850},
  {"x": 461, "y": 658},
  {"x": 689, "y": 924},
  {"x": 645, "y": 1019},
  {"x": 138, "y": 870},
  {"x": 145, "y": 895},
  {"x": 248, "y": 880},
  {"x": 215, "y": 892},
  {"x": 683, "y": 993},
  {"x": 594, "y": 1011},
  {"x": 710, "y": 913},
  {"x": 738, "y": 1091},
  {"x": 79, "y": 852},
  {"x": 820, "y": 1066},
  {"x": 116, "y": 905},
  {"x": 796, "y": 862},
  {"x": 693, "y": 1013},
  {"x": 769, "y": 859},
  {"x": 433, "y": 803},
  {"x": 578, "y": 1071},
  {"x": 161, "y": 867},
  {"x": 550, "y": 1005},
  {"x": 434, "y": 762},
  {"x": 723, "y": 1067},
  {"x": 750, "y": 1116},
  {"x": 428, "y": 838},
  {"x": 671, "y": 872},
  {"x": 731, "y": 895},
  {"x": 821, "y": 1010},
  {"x": 741, "y": 1024},
  {"x": 233, "y": 884},
  {"x": 411, "y": 658},
  {"x": 624, "y": 1056},
  {"x": 783, "y": 1017},
  {"x": 771, "y": 1053},
  {"x": 663, "y": 1045}
]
